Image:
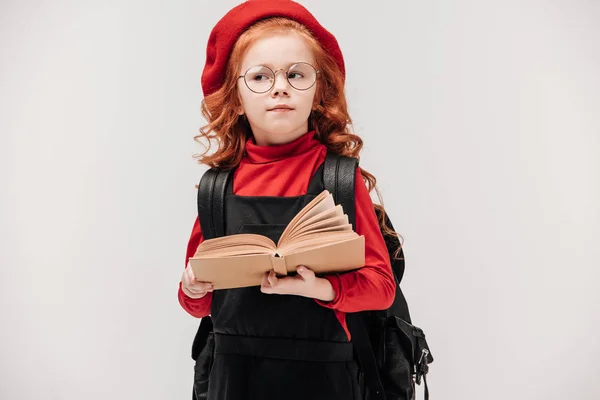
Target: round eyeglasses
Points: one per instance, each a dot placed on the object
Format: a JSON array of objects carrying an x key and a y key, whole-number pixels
[{"x": 260, "y": 79}]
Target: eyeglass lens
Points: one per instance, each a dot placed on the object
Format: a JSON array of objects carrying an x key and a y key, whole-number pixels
[{"x": 260, "y": 79}]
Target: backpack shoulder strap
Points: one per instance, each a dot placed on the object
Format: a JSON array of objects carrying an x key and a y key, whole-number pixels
[
  {"x": 211, "y": 213},
  {"x": 211, "y": 202},
  {"x": 338, "y": 178}
]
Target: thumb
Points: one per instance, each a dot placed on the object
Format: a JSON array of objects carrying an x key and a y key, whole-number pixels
[{"x": 303, "y": 271}]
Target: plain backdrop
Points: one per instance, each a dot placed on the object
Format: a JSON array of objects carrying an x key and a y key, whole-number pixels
[{"x": 481, "y": 123}]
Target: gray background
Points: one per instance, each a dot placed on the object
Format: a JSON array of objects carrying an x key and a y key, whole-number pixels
[{"x": 480, "y": 121}]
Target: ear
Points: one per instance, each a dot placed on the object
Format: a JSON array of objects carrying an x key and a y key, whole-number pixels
[{"x": 239, "y": 108}]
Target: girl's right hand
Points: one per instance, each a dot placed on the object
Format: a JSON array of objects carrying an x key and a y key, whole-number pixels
[{"x": 192, "y": 288}]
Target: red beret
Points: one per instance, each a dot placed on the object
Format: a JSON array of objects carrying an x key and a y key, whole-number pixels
[{"x": 237, "y": 20}]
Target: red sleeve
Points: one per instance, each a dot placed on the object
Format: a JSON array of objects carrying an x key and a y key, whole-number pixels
[
  {"x": 196, "y": 307},
  {"x": 372, "y": 287}
]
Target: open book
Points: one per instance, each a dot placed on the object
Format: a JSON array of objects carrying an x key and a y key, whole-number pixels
[{"x": 319, "y": 237}]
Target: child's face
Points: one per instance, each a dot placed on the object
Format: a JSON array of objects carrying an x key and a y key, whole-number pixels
[{"x": 278, "y": 53}]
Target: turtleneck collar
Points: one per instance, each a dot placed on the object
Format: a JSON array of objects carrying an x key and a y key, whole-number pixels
[{"x": 256, "y": 154}]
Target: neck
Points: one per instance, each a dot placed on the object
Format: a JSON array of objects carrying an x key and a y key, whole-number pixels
[
  {"x": 257, "y": 153},
  {"x": 264, "y": 138}
]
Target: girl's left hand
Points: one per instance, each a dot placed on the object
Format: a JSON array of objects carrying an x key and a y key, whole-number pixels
[{"x": 304, "y": 284}]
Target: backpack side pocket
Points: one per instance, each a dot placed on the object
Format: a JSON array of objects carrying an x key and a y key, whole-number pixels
[
  {"x": 415, "y": 348},
  {"x": 397, "y": 371}
]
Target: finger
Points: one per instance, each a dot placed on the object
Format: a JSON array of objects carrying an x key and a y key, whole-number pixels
[
  {"x": 304, "y": 272},
  {"x": 190, "y": 273},
  {"x": 273, "y": 278},
  {"x": 287, "y": 285},
  {"x": 187, "y": 292},
  {"x": 204, "y": 286},
  {"x": 185, "y": 278},
  {"x": 265, "y": 280},
  {"x": 191, "y": 293},
  {"x": 265, "y": 286},
  {"x": 198, "y": 290}
]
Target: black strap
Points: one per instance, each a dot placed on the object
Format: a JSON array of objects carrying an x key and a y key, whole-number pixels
[
  {"x": 211, "y": 212},
  {"x": 422, "y": 363},
  {"x": 422, "y": 370},
  {"x": 211, "y": 202},
  {"x": 339, "y": 179}
]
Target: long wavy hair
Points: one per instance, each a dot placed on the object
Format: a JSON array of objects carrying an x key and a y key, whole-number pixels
[{"x": 329, "y": 119}]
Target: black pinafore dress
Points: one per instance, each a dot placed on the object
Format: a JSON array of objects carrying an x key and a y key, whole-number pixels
[{"x": 270, "y": 346}]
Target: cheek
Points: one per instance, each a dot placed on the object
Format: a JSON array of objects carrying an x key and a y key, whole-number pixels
[
  {"x": 248, "y": 101},
  {"x": 253, "y": 107},
  {"x": 308, "y": 100}
]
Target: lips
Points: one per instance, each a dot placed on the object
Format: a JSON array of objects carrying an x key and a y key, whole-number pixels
[{"x": 281, "y": 107}]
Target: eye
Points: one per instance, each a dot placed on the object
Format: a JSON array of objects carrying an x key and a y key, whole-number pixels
[
  {"x": 260, "y": 77},
  {"x": 295, "y": 75}
]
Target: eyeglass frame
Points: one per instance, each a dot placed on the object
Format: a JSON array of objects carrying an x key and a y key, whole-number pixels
[{"x": 317, "y": 73}]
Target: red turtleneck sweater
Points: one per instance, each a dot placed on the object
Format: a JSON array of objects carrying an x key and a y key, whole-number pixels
[{"x": 286, "y": 170}]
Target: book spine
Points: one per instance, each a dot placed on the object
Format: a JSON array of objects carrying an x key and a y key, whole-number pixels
[{"x": 278, "y": 264}]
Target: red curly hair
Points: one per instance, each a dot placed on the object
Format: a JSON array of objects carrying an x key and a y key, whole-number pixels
[{"x": 329, "y": 119}]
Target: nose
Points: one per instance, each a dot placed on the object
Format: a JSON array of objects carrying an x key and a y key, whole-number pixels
[{"x": 281, "y": 86}]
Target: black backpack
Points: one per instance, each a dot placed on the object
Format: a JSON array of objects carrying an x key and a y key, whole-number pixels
[{"x": 392, "y": 353}]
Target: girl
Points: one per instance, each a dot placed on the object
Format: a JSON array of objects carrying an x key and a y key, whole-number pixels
[{"x": 274, "y": 101}]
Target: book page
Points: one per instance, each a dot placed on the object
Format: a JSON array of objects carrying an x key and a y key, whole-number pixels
[
  {"x": 296, "y": 236},
  {"x": 258, "y": 244},
  {"x": 329, "y": 222},
  {"x": 319, "y": 204},
  {"x": 326, "y": 204},
  {"x": 316, "y": 240},
  {"x": 310, "y": 223},
  {"x": 235, "y": 251}
]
